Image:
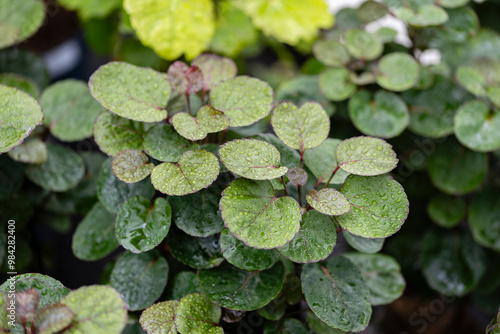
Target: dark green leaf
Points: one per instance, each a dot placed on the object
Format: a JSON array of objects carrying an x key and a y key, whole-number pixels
[
  {"x": 288, "y": 326},
  {"x": 446, "y": 211},
  {"x": 163, "y": 143},
  {"x": 364, "y": 245},
  {"x": 184, "y": 283},
  {"x": 484, "y": 219}
]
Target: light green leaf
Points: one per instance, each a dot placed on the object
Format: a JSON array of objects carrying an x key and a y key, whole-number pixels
[
  {"x": 159, "y": 318},
  {"x": 289, "y": 157},
  {"x": 319, "y": 326},
  {"x": 211, "y": 120},
  {"x": 484, "y": 219},
  {"x": 184, "y": 283},
  {"x": 139, "y": 278},
  {"x": 446, "y": 211},
  {"x": 53, "y": 318},
  {"x": 424, "y": 16},
  {"x": 322, "y": 161},
  {"x": 329, "y": 202},
  {"x": 379, "y": 206},
  {"x": 336, "y": 84},
  {"x": 131, "y": 166},
  {"x": 215, "y": 69},
  {"x": 386, "y": 35},
  {"x": 141, "y": 226},
  {"x": 337, "y": 294},
  {"x": 136, "y": 93},
  {"x": 288, "y": 326},
  {"x": 238, "y": 289},
  {"x": 188, "y": 126},
  {"x": 331, "y": 52},
  {"x": 363, "y": 45},
  {"x": 243, "y": 99},
  {"x": 472, "y": 80},
  {"x": 493, "y": 94},
  {"x": 195, "y": 170},
  {"x": 398, "y": 72},
  {"x": 32, "y": 151},
  {"x": 366, "y": 156},
  {"x": 19, "y": 115},
  {"x": 196, "y": 314},
  {"x": 314, "y": 242},
  {"x": 19, "y": 20},
  {"x": 370, "y": 11},
  {"x": 256, "y": 216},
  {"x": 94, "y": 237},
  {"x": 89, "y": 9},
  {"x": 98, "y": 309},
  {"x": 163, "y": 143},
  {"x": 364, "y": 245},
  {"x": 20, "y": 82}
]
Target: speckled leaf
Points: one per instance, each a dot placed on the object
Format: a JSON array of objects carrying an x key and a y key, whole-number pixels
[
  {"x": 139, "y": 278},
  {"x": 266, "y": 221},
  {"x": 19, "y": 114},
  {"x": 215, "y": 69},
  {"x": 198, "y": 253},
  {"x": 363, "y": 45},
  {"x": 185, "y": 79},
  {"x": 297, "y": 176},
  {"x": 63, "y": 169},
  {"x": 452, "y": 262},
  {"x": 322, "y": 161},
  {"x": 184, "y": 283},
  {"x": 384, "y": 115},
  {"x": 131, "y": 166},
  {"x": 114, "y": 134},
  {"x": 69, "y": 110},
  {"x": 196, "y": 314},
  {"x": 398, "y": 72},
  {"x": 289, "y": 157},
  {"x": 98, "y": 309},
  {"x": 288, "y": 326},
  {"x": 188, "y": 126},
  {"x": 252, "y": 159},
  {"x": 472, "y": 80},
  {"x": 112, "y": 192},
  {"x": 319, "y": 326},
  {"x": 331, "y": 52},
  {"x": 314, "y": 242},
  {"x": 163, "y": 143},
  {"x": 20, "y": 82},
  {"x": 53, "y": 318},
  {"x": 477, "y": 127},
  {"x": 238, "y": 289},
  {"x": 245, "y": 257},
  {"x": 19, "y": 20},
  {"x": 446, "y": 211},
  {"x": 195, "y": 170},
  {"x": 484, "y": 219},
  {"x": 336, "y": 84},
  {"x": 301, "y": 128},
  {"x": 94, "y": 237},
  {"x": 140, "y": 225},
  {"x": 33, "y": 151},
  {"x": 382, "y": 275},
  {"x": 366, "y": 156},
  {"x": 328, "y": 201},
  {"x": 159, "y": 318},
  {"x": 424, "y": 16},
  {"x": 211, "y": 120},
  {"x": 379, "y": 206},
  {"x": 364, "y": 245},
  {"x": 456, "y": 170},
  {"x": 243, "y": 99},
  {"x": 139, "y": 94},
  {"x": 337, "y": 294}
]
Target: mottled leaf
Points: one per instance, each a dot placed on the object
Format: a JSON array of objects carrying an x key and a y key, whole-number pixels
[
  {"x": 53, "y": 318},
  {"x": 159, "y": 318},
  {"x": 185, "y": 79},
  {"x": 215, "y": 69}
]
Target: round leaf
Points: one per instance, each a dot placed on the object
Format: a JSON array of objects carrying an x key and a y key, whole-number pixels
[
  {"x": 195, "y": 170},
  {"x": 185, "y": 79},
  {"x": 159, "y": 318},
  {"x": 243, "y": 99},
  {"x": 53, "y": 318},
  {"x": 215, "y": 69},
  {"x": 446, "y": 211},
  {"x": 289, "y": 157},
  {"x": 322, "y": 161},
  {"x": 331, "y": 52},
  {"x": 19, "y": 20},
  {"x": 141, "y": 226},
  {"x": 472, "y": 80},
  {"x": 424, "y": 16},
  {"x": 131, "y": 166},
  {"x": 328, "y": 201},
  {"x": 336, "y": 84},
  {"x": 484, "y": 219},
  {"x": 363, "y": 45},
  {"x": 370, "y": 11},
  {"x": 212, "y": 120},
  {"x": 33, "y": 151},
  {"x": 379, "y": 206},
  {"x": 266, "y": 221},
  {"x": 163, "y": 143},
  {"x": 238, "y": 289},
  {"x": 398, "y": 72},
  {"x": 196, "y": 314},
  {"x": 364, "y": 245},
  {"x": 139, "y": 94},
  {"x": 188, "y": 126}
]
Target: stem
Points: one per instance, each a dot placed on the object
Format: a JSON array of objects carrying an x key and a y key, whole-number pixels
[
  {"x": 284, "y": 185},
  {"x": 203, "y": 96},
  {"x": 301, "y": 158},
  {"x": 331, "y": 177},
  {"x": 299, "y": 187},
  {"x": 188, "y": 104}
]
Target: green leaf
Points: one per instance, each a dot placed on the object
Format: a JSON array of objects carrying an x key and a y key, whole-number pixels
[
  {"x": 63, "y": 169},
  {"x": 20, "y": 114},
  {"x": 19, "y": 20},
  {"x": 136, "y": 93},
  {"x": 112, "y": 192},
  {"x": 32, "y": 151},
  {"x": 139, "y": 278},
  {"x": 379, "y": 206},
  {"x": 328, "y": 201},
  {"x": 297, "y": 176},
  {"x": 363, "y": 45},
  {"x": 266, "y": 221},
  {"x": 364, "y": 245},
  {"x": 27, "y": 64},
  {"x": 456, "y": 170},
  {"x": 198, "y": 253},
  {"x": 238, "y": 289},
  {"x": 188, "y": 126},
  {"x": 453, "y": 3},
  {"x": 288, "y": 21},
  {"x": 382, "y": 275},
  {"x": 385, "y": 115},
  {"x": 301, "y": 128},
  {"x": 476, "y": 127},
  {"x": 89, "y": 9},
  {"x": 398, "y": 72},
  {"x": 131, "y": 166},
  {"x": 97, "y": 309},
  {"x": 215, "y": 69},
  {"x": 366, "y": 156},
  {"x": 140, "y": 225},
  {"x": 183, "y": 284},
  {"x": 244, "y": 257},
  {"x": 322, "y": 161},
  {"x": 493, "y": 94},
  {"x": 243, "y": 99},
  {"x": 195, "y": 170},
  {"x": 314, "y": 242},
  {"x": 289, "y": 157},
  {"x": 196, "y": 314},
  {"x": 173, "y": 28},
  {"x": 94, "y": 237},
  {"x": 212, "y": 120},
  {"x": 472, "y": 80},
  {"x": 288, "y": 326},
  {"x": 53, "y": 319},
  {"x": 370, "y": 11},
  {"x": 462, "y": 24},
  {"x": 252, "y": 159},
  {"x": 163, "y": 143},
  {"x": 424, "y": 16},
  {"x": 337, "y": 294},
  {"x": 446, "y": 211},
  {"x": 331, "y": 52},
  {"x": 484, "y": 219},
  {"x": 69, "y": 110},
  {"x": 159, "y": 318},
  {"x": 452, "y": 262},
  {"x": 184, "y": 79},
  {"x": 20, "y": 82},
  {"x": 114, "y": 134},
  {"x": 319, "y": 327},
  {"x": 386, "y": 35},
  {"x": 336, "y": 84}
]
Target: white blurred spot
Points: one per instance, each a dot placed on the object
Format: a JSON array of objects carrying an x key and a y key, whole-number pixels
[{"x": 63, "y": 58}]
